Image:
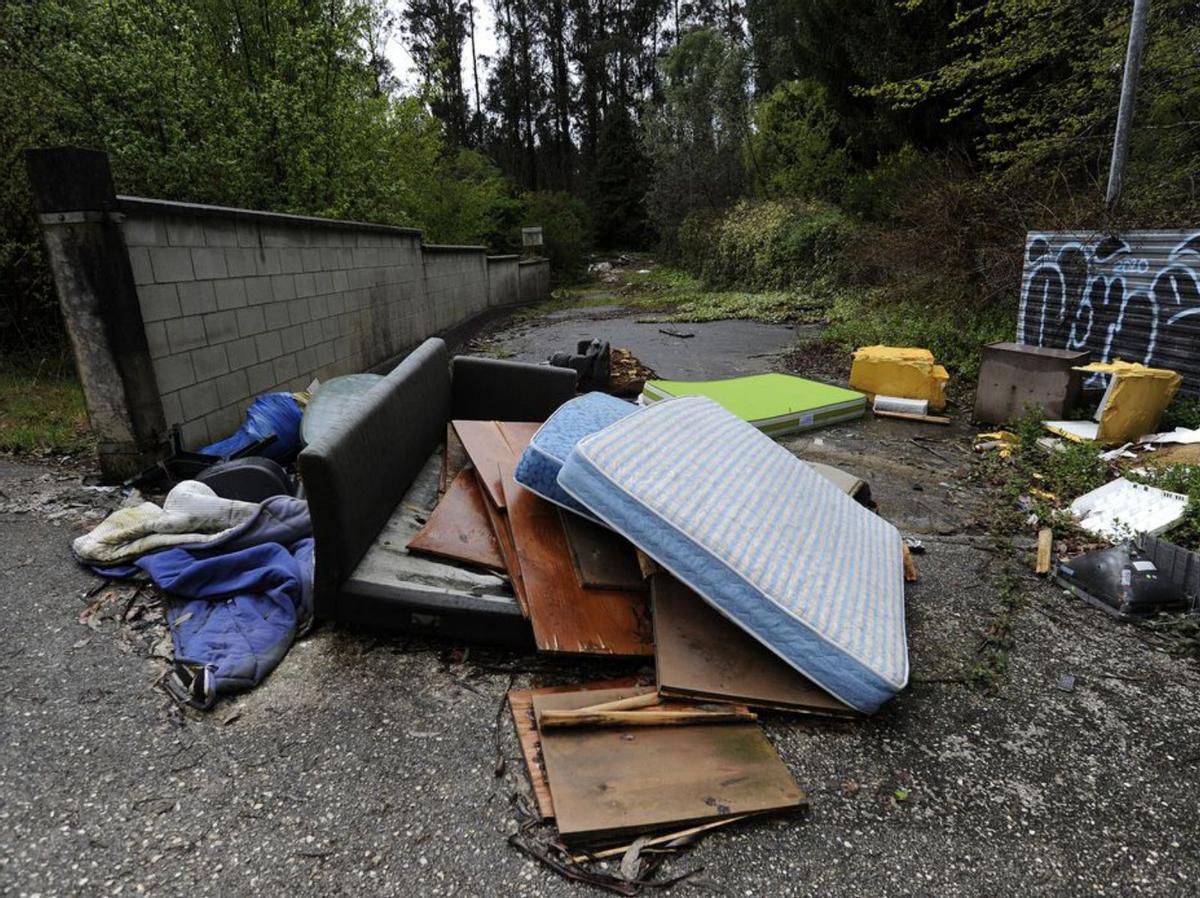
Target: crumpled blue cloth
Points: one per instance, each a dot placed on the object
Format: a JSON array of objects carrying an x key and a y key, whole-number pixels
[{"x": 240, "y": 613}]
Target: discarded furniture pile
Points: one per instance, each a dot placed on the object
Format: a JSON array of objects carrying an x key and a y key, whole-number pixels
[
  {"x": 677, "y": 531},
  {"x": 485, "y": 501}
]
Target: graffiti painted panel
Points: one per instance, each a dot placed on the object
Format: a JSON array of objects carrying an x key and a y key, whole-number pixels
[{"x": 1134, "y": 297}]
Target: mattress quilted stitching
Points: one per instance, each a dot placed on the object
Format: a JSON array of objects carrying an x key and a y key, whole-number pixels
[{"x": 786, "y": 530}]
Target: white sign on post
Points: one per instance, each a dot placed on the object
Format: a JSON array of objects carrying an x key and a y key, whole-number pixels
[{"x": 531, "y": 236}]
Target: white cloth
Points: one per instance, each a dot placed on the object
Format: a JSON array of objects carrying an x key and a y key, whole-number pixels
[{"x": 192, "y": 515}]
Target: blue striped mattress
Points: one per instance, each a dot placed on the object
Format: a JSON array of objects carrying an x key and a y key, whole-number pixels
[
  {"x": 538, "y": 467},
  {"x": 772, "y": 545}
]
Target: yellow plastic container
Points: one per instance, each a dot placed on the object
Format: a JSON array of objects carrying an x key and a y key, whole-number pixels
[
  {"x": 899, "y": 371},
  {"x": 1134, "y": 401}
]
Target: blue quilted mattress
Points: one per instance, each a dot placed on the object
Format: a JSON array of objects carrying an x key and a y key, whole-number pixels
[
  {"x": 537, "y": 469},
  {"x": 776, "y": 548}
]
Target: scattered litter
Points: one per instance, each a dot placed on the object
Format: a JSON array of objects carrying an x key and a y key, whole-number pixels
[
  {"x": 671, "y": 332},
  {"x": 1066, "y": 683},
  {"x": 1002, "y": 441},
  {"x": 899, "y": 404},
  {"x": 899, "y": 371},
  {"x": 1178, "y": 435},
  {"x": 1121, "y": 508},
  {"x": 777, "y": 404},
  {"x": 1045, "y": 546}
]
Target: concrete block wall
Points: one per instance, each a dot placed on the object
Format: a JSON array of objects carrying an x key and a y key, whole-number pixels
[
  {"x": 456, "y": 283},
  {"x": 534, "y": 279},
  {"x": 504, "y": 281},
  {"x": 238, "y": 304},
  {"x": 182, "y": 314}
]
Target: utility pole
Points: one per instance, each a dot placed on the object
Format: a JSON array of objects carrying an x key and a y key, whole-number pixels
[{"x": 1129, "y": 82}]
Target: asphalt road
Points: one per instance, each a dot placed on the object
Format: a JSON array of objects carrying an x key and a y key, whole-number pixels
[{"x": 365, "y": 764}]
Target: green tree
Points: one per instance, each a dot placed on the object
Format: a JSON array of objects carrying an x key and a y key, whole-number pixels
[
  {"x": 269, "y": 104},
  {"x": 696, "y": 139},
  {"x": 794, "y": 147}
]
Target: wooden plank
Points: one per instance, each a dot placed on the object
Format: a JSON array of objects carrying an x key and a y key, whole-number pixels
[
  {"x": 928, "y": 419},
  {"x": 490, "y": 444},
  {"x": 459, "y": 527},
  {"x": 498, "y": 518},
  {"x": 610, "y": 782},
  {"x": 602, "y": 559},
  {"x": 1045, "y": 547},
  {"x": 555, "y": 720},
  {"x": 565, "y": 616},
  {"x": 657, "y": 840},
  {"x": 626, "y": 704},
  {"x": 910, "y": 566},
  {"x": 700, "y": 654},
  {"x": 647, "y": 565},
  {"x": 520, "y": 702},
  {"x": 454, "y": 459}
]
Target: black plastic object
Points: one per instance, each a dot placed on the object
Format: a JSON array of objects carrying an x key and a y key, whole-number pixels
[
  {"x": 183, "y": 464},
  {"x": 1125, "y": 581},
  {"x": 247, "y": 479},
  {"x": 592, "y": 362}
]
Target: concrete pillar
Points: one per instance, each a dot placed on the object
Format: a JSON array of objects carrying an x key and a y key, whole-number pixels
[{"x": 76, "y": 203}]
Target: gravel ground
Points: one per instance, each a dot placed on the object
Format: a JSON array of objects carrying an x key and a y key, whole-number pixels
[{"x": 365, "y": 763}]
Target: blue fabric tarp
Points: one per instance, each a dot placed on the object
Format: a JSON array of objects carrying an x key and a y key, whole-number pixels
[
  {"x": 236, "y": 614},
  {"x": 271, "y": 413}
]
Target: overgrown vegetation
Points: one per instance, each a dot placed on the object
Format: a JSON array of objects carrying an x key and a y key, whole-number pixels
[{"x": 42, "y": 412}]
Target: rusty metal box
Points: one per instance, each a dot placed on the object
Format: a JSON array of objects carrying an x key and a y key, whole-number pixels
[{"x": 1013, "y": 376}]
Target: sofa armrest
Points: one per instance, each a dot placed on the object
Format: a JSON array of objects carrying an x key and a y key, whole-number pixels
[{"x": 497, "y": 390}]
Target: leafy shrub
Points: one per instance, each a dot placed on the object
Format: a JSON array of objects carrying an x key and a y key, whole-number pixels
[
  {"x": 566, "y": 232},
  {"x": 871, "y": 316},
  {"x": 879, "y": 193},
  {"x": 767, "y": 245}
]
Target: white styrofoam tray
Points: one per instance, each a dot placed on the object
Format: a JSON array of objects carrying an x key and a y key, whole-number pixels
[{"x": 1121, "y": 509}]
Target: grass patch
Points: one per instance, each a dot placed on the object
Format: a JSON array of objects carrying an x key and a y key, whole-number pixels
[
  {"x": 677, "y": 296},
  {"x": 42, "y": 414},
  {"x": 868, "y": 316}
]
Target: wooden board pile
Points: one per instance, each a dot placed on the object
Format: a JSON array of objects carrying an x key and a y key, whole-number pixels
[{"x": 655, "y": 763}]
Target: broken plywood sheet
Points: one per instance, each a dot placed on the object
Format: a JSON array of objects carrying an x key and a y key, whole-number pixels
[
  {"x": 454, "y": 459},
  {"x": 610, "y": 782},
  {"x": 492, "y": 443},
  {"x": 498, "y": 518},
  {"x": 459, "y": 527},
  {"x": 602, "y": 559},
  {"x": 699, "y": 654},
  {"x": 565, "y": 616},
  {"x": 520, "y": 702}
]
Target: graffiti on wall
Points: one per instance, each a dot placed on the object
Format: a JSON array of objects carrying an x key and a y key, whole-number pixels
[{"x": 1134, "y": 297}]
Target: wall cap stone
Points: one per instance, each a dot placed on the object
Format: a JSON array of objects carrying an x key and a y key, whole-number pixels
[{"x": 145, "y": 206}]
